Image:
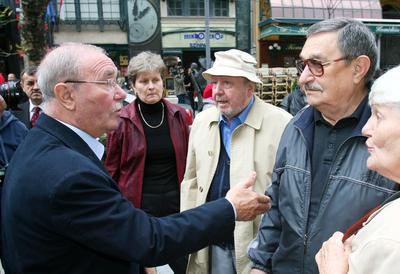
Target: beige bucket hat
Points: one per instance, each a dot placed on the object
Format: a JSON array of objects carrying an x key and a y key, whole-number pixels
[{"x": 233, "y": 62}]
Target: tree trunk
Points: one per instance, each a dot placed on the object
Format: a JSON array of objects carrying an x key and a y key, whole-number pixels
[{"x": 33, "y": 29}]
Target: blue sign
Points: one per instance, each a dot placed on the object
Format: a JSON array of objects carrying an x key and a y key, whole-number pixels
[{"x": 201, "y": 36}]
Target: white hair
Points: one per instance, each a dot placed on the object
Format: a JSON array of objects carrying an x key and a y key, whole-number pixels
[
  {"x": 63, "y": 63},
  {"x": 385, "y": 89}
]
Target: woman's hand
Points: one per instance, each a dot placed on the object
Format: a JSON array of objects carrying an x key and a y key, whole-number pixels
[
  {"x": 150, "y": 270},
  {"x": 333, "y": 257}
]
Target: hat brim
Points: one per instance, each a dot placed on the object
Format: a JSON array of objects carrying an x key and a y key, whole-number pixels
[{"x": 228, "y": 71}]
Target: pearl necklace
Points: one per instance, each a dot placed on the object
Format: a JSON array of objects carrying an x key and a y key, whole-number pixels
[{"x": 147, "y": 124}]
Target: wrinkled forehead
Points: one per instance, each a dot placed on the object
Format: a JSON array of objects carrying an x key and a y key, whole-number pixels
[
  {"x": 29, "y": 78},
  {"x": 320, "y": 46},
  {"x": 99, "y": 66}
]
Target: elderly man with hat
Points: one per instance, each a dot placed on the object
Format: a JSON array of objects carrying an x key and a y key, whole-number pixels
[{"x": 227, "y": 142}]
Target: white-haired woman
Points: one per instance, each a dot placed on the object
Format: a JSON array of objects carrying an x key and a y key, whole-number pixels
[
  {"x": 146, "y": 154},
  {"x": 375, "y": 248}
]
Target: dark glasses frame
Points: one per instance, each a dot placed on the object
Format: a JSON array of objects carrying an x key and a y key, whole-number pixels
[{"x": 316, "y": 67}]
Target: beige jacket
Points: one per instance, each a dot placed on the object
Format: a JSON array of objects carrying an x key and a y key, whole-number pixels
[
  {"x": 376, "y": 247},
  {"x": 253, "y": 147}
]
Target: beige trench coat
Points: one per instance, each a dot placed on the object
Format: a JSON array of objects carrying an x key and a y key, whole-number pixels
[{"x": 253, "y": 147}]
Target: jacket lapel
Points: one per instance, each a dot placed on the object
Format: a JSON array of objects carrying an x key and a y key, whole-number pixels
[{"x": 68, "y": 137}]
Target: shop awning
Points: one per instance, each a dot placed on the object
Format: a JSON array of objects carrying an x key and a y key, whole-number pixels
[
  {"x": 172, "y": 52},
  {"x": 321, "y": 9},
  {"x": 385, "y": 28},
  {"x": 298, "y": 27}
]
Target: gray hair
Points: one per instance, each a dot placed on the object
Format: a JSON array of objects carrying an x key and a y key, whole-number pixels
[
  {"x": 354, "y": 39},
  {"x": 62, "y": 64},
  {"x": 385, "y": 90},
  {"x": 145, "y": 61},
  {"x": 29, "y": 70}
]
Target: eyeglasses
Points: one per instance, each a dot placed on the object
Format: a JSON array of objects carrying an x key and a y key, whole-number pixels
[
  {"x": 111, "y": 83},
  {"x": 316, "y": 67}
]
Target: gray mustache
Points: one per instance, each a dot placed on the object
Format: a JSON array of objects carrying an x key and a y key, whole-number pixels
[
  {"x": 117, "y": 106},
  {"x": 313, "y": 86}
]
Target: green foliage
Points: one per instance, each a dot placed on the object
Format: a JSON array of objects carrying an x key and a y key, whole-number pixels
[{"x": 33, "y": 29}]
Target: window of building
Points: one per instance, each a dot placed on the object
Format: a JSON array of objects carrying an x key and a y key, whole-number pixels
[
  {"x": 89, "y": 9},
  {"x": 196, "y": 7},
  {"x": 221, "y": 8},
  {"x": 111, "y": 10},
  {"x": 175, "y": 7}
]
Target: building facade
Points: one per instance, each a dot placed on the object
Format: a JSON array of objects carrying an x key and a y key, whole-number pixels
[
  {"x": 169, "y": 27},
  {"x": 282, "y": 27}
]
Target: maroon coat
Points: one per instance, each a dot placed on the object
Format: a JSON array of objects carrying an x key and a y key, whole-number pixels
[{"x": 126, "y": 148}]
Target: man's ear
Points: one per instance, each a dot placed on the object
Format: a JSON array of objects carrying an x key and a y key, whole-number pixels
[
  {"x": 65, "y": 96},
  {"x": 250, "y": 87},
  {"x": 361, "y": 66}
]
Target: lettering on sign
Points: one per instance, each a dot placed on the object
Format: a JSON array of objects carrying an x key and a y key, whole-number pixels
[{"x": 202, "y": 35}]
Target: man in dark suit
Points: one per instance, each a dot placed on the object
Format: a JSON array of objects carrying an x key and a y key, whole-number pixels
[
  {"x": 30, "y": 110},
  {"x": 62, "y": 212}
]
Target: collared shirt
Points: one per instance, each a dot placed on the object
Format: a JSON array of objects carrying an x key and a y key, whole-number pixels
[
  {"x": 227, "y": 127},
  {"x": 92, "y": 142},
  {"x": 31, "y": 111},
  {"x": 327, "y": 140}
]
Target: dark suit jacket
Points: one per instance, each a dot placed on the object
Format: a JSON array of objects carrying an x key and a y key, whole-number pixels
[
  {"x": 62, "y": 213},
  {"x": 23, "y": 114}
]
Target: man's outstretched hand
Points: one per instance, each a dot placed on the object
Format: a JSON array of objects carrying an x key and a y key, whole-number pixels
[{"x": 248, "y": 204}]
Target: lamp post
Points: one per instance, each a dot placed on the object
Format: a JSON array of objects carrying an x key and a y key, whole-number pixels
[{"x": 207, "y": 32}]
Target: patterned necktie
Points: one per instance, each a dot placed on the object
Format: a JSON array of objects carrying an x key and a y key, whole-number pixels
[{"x": 35, "y": 116}]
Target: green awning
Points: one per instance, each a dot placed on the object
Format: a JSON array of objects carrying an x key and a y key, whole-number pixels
[
  {"x": 283, "y": 30},
  {"x": 172, "y": 52},
  {"x": 301, "y": 30},
  {"x": 385, "y": 28}
]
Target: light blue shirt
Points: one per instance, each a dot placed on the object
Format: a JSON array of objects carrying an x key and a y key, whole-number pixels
[
  {"x": 92, "y": 142},
  {"x": 227, "y": 128}
]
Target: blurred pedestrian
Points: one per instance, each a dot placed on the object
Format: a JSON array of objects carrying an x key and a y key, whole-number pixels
[
  {"x": 189, "y": 88},
  {"x": 11, "y": 77},
  {"x": 28, "y": 112},
  {"x": 296, "y": 100}
]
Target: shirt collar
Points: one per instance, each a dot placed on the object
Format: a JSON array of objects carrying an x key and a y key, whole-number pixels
[
  {"x": 241, "y": 117},
  {"x": 93, "y": 143},
  {"x": 355, "y": 115},
  {"x": 31, "y": 106}
]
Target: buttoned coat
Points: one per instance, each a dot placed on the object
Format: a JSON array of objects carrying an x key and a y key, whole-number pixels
[{"x": 253, "y": 147}]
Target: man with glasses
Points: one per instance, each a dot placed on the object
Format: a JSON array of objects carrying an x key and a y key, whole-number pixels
[
  {"x": 320, "y": 181},
  {"x": 61, "y": 210}
]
